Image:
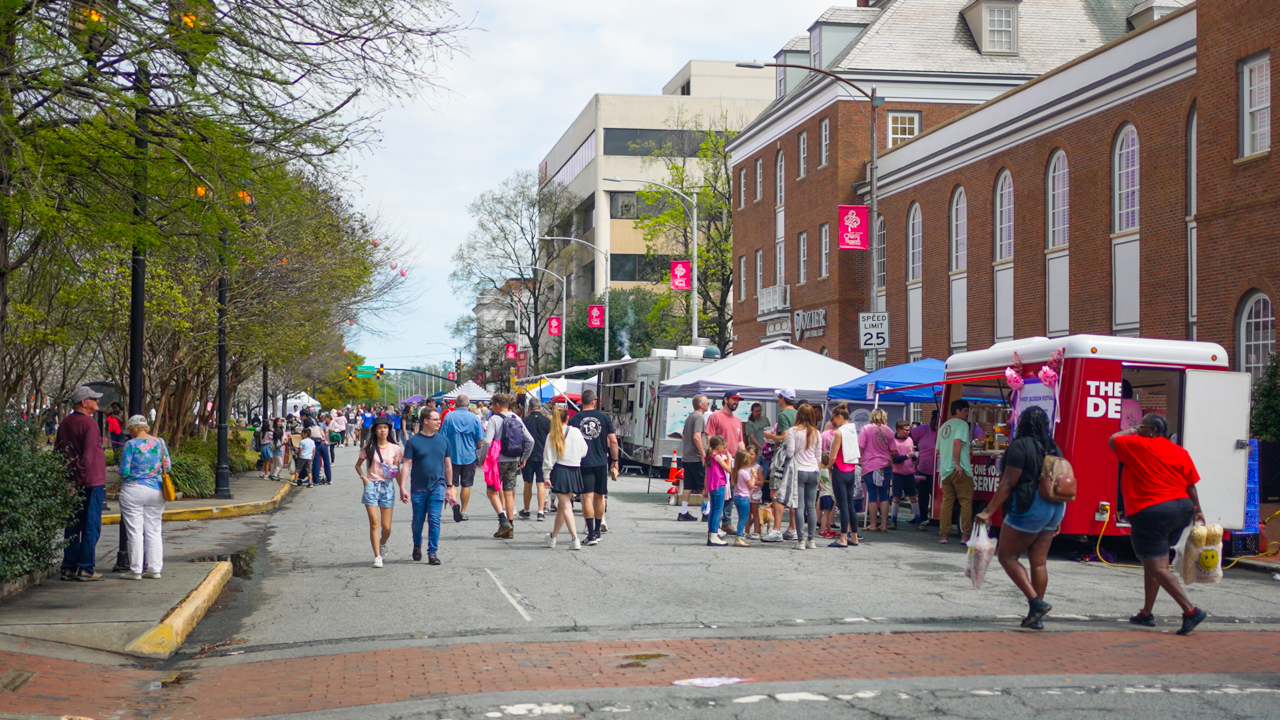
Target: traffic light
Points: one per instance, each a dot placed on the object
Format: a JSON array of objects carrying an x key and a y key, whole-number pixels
[
  {"x": 457, "y": 367},
  {"x": 350, "y": 377},
  {"x": 380, "y": 371}
]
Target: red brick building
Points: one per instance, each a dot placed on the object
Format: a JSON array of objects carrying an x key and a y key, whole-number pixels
[
  {"x": 930, "y": 61},
  {"x": 1130, "y": 192}
]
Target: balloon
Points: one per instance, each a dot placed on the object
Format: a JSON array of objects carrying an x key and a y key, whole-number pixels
[
  {"x": 404, "y": 273},
  {"x": 375, "y": 242},
  {"x": 393, "y": 265},
  {"x": 351, "y": 322}
]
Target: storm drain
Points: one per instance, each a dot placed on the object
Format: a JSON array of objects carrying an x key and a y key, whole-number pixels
[{"x": 15, "y": 679}]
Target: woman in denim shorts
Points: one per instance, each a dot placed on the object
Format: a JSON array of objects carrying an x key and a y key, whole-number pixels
[
  {"x": 1030, "y": 521},
  {"x": 379, "y": 468}
]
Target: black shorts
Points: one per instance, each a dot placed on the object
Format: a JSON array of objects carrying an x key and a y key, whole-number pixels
[
  {"x": 532, "y": 471},
  {"x": 464, "y": 475},
  {"x": 826, "y": 502},
  {"x": 695, "y": 476},
  {"x": 904, "y": 484},
  {"x": 1157, "y": 528},
  {"x": 595, "y": 479}
]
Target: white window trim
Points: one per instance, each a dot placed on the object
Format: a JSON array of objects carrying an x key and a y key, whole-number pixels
[
  {"x": 1003, "y": 244},
  {"x": 1058, "y": 202},
  {"x": 803, "y": 164},
  {"x": 759, "y": 178},
  {"x": 1248, "y": 145},
  {"x": 742, "y": 188},
  {"x": 742, "y": 283},
  {"x": 824, "y": 262},
  {"x": 991, "y": 30},
  {"x": 915, "y": 244},
  {"x": 759, "y": 271},
  {"x": 959, "y": 224},
  {"x": 1117, "y": 213},
  {"x": 780, "y": 179},
  {"x": 824, "y": 129},
  {"x": 879, "y": 244},
  {"x": 802, "y": 243},
  {"x": 780, "y": 261},
  {"x": 1242, "y": 357},
  {"x": 916, "y": 120}
]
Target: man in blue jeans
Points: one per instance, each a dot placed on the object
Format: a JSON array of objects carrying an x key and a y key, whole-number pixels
[
  {"x": 79, "y": 440},
  {"x": 430, "y": 472}
]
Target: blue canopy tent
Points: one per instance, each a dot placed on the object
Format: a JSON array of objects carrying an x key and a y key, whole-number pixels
[{"x": 920, "y": 372}]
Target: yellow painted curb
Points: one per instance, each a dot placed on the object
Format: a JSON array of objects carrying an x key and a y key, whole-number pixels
[
  {"x": 214, "y": 512},
  {"x": 163, "y": 640}
]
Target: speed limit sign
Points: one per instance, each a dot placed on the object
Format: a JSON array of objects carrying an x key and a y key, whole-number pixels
[{"x": 873, "y": 331}]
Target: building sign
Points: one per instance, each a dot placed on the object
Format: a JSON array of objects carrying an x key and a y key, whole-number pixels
[
  {"x": 681, "y": 275},
  {"x": 1035, "y": 393},
  {"x": 873, "y": 331},
  {"x": 855, "y": 227},
  {"x": 511, "y": 351},
  {"x": 522, "y": 363},
  {"x": 553, "y": 325},
  {"x": 452, "y": 375},
  {"x": 595, "y": 316},
  {"x": 809, "y": 323}
]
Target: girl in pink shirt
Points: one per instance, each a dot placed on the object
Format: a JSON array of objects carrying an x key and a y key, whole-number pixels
[
  {"x": 744, "y": 483},
  {"x": 718, "y": 469},
  {"x": 876, "y": 443}
]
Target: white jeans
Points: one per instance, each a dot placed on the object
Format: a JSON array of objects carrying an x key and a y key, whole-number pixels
[{"x": 141, "y": 509}]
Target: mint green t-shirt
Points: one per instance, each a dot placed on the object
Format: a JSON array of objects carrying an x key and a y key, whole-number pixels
[{"x": 952, "y": 430}]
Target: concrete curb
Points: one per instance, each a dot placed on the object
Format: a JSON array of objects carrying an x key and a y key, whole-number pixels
[
  {"x": 164, "y": 639},
  {"x": 215, "y": 512},
  {"x": 1259, "y": 566}
]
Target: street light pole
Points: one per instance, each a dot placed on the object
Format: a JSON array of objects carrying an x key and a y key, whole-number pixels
[
  {"x": 607, "y": 280},
  {"x": 693, "y": 204},
  {"x": 563, "y": 296},
  {"x": 222, "y": 476}
]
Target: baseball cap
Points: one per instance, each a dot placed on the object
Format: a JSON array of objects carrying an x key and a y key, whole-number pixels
[
  {"x": 785, "y": 392},
  {"x": 137, "y": 420},
  {"x": 82, "y": 393},
  {"x": 732, "y": 396}
]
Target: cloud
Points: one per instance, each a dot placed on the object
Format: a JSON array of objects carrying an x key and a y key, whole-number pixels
[{"x": 529, "y": 72}]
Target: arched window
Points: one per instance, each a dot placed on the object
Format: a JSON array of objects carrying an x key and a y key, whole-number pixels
[
  {"x": 878, "y": 254},
  {"x": 915, "y": 243},
  {"x": 779, "y": 188},
  {"x": 1257, "y": 337},
  {"x": 1004, "y": 216},
  {"x": 959, "y": 230},
  {"x": 1125, "y": 180},
  {"x": 1057, "y": 194}
]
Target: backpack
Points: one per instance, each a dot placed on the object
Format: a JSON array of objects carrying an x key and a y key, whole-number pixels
[
  {"x": 512, "y": 436},
  {"x": 1057, "y": 480}
]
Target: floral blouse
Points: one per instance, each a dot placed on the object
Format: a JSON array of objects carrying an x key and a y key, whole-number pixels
[{"x": 144, "y": 461}]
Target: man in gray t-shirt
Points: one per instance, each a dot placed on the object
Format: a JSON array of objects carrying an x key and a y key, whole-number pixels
[{"x": 693, "y": 445}]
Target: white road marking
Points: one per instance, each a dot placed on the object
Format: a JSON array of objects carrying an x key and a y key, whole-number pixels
[
  {"x": 751, "y": 699},
  {"x": 798, "y": 696},
  {"x": 854, "y": 620},
  {"x": 508, "y": 596},
  {"x": 537, "y": 709},
  {"x": 985, "y": 692}
]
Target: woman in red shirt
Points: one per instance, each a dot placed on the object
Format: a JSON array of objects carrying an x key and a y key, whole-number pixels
[{"x": 1160, "y": 500}]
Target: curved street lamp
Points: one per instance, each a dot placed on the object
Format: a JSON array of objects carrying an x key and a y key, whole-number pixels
[
  {"x": 607, "y": 270},
  {"x": 563, "y": 329}
]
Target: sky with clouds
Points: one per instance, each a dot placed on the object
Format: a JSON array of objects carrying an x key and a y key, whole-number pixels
[{"x": 530, "y": 68}]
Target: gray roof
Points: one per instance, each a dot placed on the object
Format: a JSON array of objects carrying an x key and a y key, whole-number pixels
[
  {"x": 932, "y": 36},
  {"x": 799, "y": 43},
  {"x": 851, "y": 15},
  {"x": 1148, "y": 4}
]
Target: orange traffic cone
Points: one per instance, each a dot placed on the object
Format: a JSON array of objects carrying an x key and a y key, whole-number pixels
[{"x": 673, "y": 474}]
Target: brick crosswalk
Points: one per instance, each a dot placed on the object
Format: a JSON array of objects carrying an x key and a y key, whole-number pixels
[{"x": 259, "y": 688}]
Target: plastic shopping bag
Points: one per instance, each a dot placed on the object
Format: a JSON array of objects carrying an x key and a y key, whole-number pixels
[
  {"x": 981, "y": 549},
  {"x": 1199, "y": 554}
]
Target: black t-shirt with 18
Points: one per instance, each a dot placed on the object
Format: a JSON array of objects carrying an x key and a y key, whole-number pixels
[{"x": 596, "y": 428}]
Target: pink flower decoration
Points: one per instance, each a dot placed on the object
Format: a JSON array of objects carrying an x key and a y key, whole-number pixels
[
  {"x": 393, "y": 265},
  {"x": 1014, "y": 378},
  {"x": 403, "y": 272},
  {"x": 1048, "y": 376},
  {"x": 374, "y": 242}
]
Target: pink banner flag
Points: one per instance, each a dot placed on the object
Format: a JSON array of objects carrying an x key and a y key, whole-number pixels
[
  {"x": 855, "y": 227},
  {"x": 681, "y": 275},
  {"x": 511, "y": 351},
  {"x": 595, "y": 316},
  {"x": 553, "y": 325}
]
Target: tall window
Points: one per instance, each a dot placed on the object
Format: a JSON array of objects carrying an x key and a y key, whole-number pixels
[
  {"x": 759, "y": 178},
  {"x": 782, "y": 82},
  {"x": 1000, "y": 29},
  {"x": 804, "y": 154},
  {"x": 803, "y": 242},
  {"x": 915, "y": 243},
  {"x": 1255, "y": 99},
  {"x": 742, "y": 188},
  {"x": 903, "y": 126},
  {"x": 959, "y": 230},
  {"x": 824, "y": 250},
  {"x": 780, "y": 178},
  {"x": 1058, "y": 203},
  {"x": 742, "y": 278},
  {"x": 1257, "y": 334},
  {"x": 1125, "y": 180},
  {"x": 824, "y": 152},
  {"x": 759, "y": 271},
  {"x": 878, "y": 254},
  {"x": 815, "y": 47},
  {"x": 1004, "y": 216},
  {"x": 779, "y": 262}
]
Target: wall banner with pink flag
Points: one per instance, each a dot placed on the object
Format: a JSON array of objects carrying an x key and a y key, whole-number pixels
[
  {"x": 511, "y": 351},
  {"x": 553, "y": 325},
  {"x": 681, "y": 275},
  {"x": 855, "y": 227},
  {"x": 595, "y": 316}
]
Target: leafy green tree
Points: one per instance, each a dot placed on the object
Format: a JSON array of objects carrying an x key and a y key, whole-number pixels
[
  {"x": 1265, "y": 421},
  {"x": 637, "y": 323}
]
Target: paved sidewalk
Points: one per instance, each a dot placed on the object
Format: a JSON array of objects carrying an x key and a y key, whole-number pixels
[
  {"x": 250, "y": 495},
  {"x": 368, "y": 678}
]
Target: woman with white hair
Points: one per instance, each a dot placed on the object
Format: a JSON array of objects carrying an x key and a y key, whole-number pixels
[{"x": 143, "y": 463}]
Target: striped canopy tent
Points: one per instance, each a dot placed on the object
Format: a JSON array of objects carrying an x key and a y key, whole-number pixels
[{"x": 473, "y": 391}]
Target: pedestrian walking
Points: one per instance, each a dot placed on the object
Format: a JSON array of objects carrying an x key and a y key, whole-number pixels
[
  {"x": 692, "y": 453},
  {"x": 719, "y": 468},
  {"x": 602, "y": 457},
  {"x": 366, "y": 425},
  {"x": 379, "y": 468},
  {"x": 465, "y": 434},
  {"x": 804, "y": 446},
  {"x": 1158, "y": 486},
  {"x": 846, "y": 483},
  {"x": 904, "y": 473},
  {"x": 143, "y": 463},
  {"x": 1030, "y": 522},
  {"x": 321, "y": 471},
  {"x": 426, "y": 462},
  {"x": 337, "y": 433},
  {"x": 561, "y": 463},
  {"x": 956, "y": 469},
  {"x": 80, "y": 442},
  {"x": 116, "y": 435},
  {"x": 534, "y": 478},
  {"x": 306, "y": 459},
  {"x": 266, "y": 451},
  {"x": 514, "y": 445},
  {"x": 781, "y": 474}
]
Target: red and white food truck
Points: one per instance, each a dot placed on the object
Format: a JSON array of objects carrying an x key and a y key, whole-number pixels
[{"x": 1103, "y": 384}]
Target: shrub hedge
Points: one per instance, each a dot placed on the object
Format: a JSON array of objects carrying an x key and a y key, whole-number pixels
[
  {"x": 192, "y": 475},
  {"x": 36, "y": 502}
]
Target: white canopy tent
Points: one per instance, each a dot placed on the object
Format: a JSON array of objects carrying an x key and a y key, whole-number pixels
[
  {"x": 757, "y": 374},
  {"x": 473, "y": 392},
  {"x": 302, "y": 400}
]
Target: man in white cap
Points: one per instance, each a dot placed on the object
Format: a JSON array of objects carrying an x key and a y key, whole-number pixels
[{"x": 79, "y": 440}]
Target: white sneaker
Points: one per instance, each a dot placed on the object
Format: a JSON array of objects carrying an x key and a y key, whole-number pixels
[
  {"x": 720, "y": 534},
  {"x": 131, "y": 576},
  {"x": 577, "y": 544},
  {"x": 810, "y": 544},
  {"x": 550, "y": 541},
  {"x": 753, "y": 536},
  {"x": 798, "y": 546},
  {"x": 772, "y": 537},
  {"x": 604, "y": 526},
  {"x": 714, "y": 539},
  {"x": 790, "y": 535},
  {"x": 377, "y": 562},
  {"x": 151, "y": 575}
]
